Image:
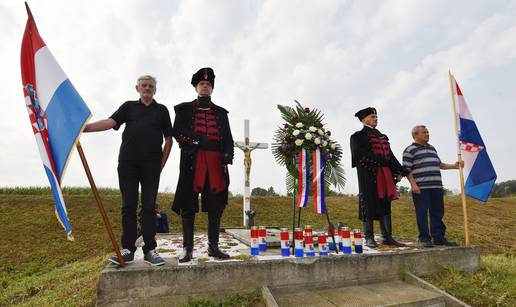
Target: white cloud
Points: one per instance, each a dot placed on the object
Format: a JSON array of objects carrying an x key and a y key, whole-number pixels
[{"x": 338, "y": 56}]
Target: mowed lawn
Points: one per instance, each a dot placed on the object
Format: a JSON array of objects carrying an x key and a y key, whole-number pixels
[{"x": 39, "y": 267}]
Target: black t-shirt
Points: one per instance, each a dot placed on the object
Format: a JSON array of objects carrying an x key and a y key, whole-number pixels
[{"x": 144, "y": 130}]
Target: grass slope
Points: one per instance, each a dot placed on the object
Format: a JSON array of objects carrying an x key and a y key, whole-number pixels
[{"x": 38, "y": 266}]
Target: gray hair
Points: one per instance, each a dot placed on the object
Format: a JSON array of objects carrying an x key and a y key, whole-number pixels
[
  {"x": 416, "y": 129},
  {"x": 146, "y": 77}
]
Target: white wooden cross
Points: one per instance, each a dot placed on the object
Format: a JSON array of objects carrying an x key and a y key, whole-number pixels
[{"x": 247, "y": 147}]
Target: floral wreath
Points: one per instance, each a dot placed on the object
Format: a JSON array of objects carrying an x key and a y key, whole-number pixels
[{"x": 304, "y": 132}]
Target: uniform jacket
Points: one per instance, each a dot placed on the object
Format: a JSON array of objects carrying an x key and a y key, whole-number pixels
[
  {"x": 189, "y": 142},
  {"x": 370, "y": 206}
]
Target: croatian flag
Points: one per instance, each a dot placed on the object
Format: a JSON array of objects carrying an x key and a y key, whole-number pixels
[
  {"x": 303, "y": 173},
  {"x": 478, "y": 169},
  {"x": 318, "y": 182},
  {"x": 57, "y": 113}
]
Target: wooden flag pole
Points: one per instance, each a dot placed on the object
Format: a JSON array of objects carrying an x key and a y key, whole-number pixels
[
  {"x": 459, "y": 158},
  {"x": 99, "y": 204},
  {"x": 29, "y": 13}
]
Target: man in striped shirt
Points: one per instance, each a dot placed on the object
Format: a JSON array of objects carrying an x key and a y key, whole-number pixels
[{"x": 427, "y": 188}]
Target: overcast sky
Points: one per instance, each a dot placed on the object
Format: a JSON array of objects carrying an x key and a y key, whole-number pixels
[{"x": 337, "y": 56}]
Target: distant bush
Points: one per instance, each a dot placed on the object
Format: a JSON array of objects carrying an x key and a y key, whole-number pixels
[
  {"x": 505, "y": 188},
  {"x": 263, "y": 192},
  {"x": 405, "y": 191}
]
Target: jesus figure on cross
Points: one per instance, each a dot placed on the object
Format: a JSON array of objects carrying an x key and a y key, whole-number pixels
[{"x": 247, "y": 147}]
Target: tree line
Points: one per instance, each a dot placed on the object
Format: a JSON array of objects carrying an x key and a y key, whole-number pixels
[
  {"x": 270, "y": 191},
  {"x": 505, "y": 188},
  {"x": 502, "y": 189}
]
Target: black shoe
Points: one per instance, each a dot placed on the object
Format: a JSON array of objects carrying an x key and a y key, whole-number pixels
[
  {"x": 214, "y": 251},
  {"x": 371, "y": 243},
  {"x": 213, "y": 236},
  {"x": 386, "y": 228},
  {"x": 187, "y": 255},
  {"x": 188, "y": 238},
  {"x": 391, "y": 242},
  {"x": 152, "y": 257},
  {"x": 369, "y": 234},
  {"x": 445, "y": 243},
  {"x": 426, "y": 244},
  {"x": 127, "y": 255}
]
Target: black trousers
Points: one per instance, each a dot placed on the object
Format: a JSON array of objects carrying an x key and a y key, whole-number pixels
[
  {"x": 213, "y": 203},
  {"x": 132, "y": 174},
  {"x": 212, "y": 214}
]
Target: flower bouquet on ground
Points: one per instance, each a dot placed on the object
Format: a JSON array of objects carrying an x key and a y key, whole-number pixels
[{"x": 304, "y": 146}]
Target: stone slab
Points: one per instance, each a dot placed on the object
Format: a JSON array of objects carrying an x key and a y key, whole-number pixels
[
  {"x": 450, "y": 300},
  {"x": 391, "y": 293},
  {"x": 173, "y": 284},
  {"x": 244, "y": 235},
  {"x": 273, "y": 237}
]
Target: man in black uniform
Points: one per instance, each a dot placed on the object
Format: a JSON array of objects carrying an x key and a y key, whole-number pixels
[
  {"x": 204, "y": 136},
  {"x": 140, "y": 162},
  {"x": 378, "y": 172}
]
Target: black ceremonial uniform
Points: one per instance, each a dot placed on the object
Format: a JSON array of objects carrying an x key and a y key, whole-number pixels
[
  {"x": 371, "y": 207},
  {"x": 189, "y": 142},
  {"x": 377, "y": 170},
  {"x": 202, "y": 130}
]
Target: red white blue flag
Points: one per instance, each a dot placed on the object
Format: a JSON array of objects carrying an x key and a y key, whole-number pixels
[
  {"x": 303, "y": 174},
  {"x": 478, "y": 169},
  {"x": 318, "y": 181},
  {"x": 57, "y": 112}
]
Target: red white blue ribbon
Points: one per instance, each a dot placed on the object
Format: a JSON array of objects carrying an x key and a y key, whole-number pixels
[
  {"x": 303, "y": 173},
  {"x": 318, "y": 181}
]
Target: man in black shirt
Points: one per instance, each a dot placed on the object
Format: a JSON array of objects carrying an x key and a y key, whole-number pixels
[{"x": 140, "y": 162}]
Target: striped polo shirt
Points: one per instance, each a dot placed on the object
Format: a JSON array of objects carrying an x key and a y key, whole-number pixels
[{"x": 425, "y": 165}]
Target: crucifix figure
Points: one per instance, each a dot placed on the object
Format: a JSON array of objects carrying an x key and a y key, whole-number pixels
[{"x": 247, "y": 147}]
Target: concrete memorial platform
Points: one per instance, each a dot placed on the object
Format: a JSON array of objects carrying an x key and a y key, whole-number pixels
[{"x": 285, "y": 280}]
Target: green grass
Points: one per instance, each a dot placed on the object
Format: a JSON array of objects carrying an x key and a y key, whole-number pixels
[
  {"x": 38, "y": 266},
  {"x": 48, "y": 191},
  {"x": 71, "y": 284},
  {"x": 493, "y": 285},
  {"x": 235, "y": 300}
]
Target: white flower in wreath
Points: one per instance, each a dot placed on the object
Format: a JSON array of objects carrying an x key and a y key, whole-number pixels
[
  {"x": 299, "y": 142},
  {"x": 325, "y": 143},
  {"x": 308, "y": 136},
  {"x": 299, "y": 125},
  {"x": 312, "y": 128},
  {"x": 295, "y": 132},
  {"x": 317, "y": 141},
  {"x": 320, "y": 132},
  {"x": 332, "y": 146}
]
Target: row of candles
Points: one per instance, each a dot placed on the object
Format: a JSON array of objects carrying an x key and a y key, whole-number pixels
[{"x": 304, "y": 241}]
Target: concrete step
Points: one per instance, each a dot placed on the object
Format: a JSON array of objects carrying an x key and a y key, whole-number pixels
[
  {"x": 139, "y": 284},
  {"x": 391, "y": 293}
]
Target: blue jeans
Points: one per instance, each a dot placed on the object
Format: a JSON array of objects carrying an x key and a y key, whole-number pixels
[{"x": 430, "y": 201}]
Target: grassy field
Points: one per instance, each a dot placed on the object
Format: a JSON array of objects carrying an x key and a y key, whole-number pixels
[{"x": 39, "y": 267}]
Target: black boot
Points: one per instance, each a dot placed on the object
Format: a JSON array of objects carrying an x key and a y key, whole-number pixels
[
  {"x": 369, "y": 234},
  {"x": 213, "y": 237},
  {"x": 386, "y": 227},
  {"x": 188, "y": 234}
]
